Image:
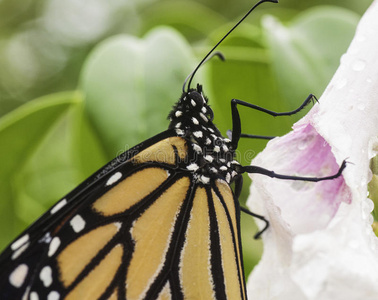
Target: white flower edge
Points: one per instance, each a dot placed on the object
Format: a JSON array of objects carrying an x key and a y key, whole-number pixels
[{"x": 320, "y": 244}]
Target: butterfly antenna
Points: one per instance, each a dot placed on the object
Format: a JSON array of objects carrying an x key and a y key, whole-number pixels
[
  {"x": 217, "y": 53},
  {"x": 191, "y": 75}
]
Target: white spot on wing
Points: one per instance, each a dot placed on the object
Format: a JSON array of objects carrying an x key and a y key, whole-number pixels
[
  {"x": 34, "y": 296},
  {"x": 77, "y": 223},
  {"x": 17, "y": 277},
  {"x": 25, "y": 296},
  {"x": 178, "y": 113},
  {"x": 46, "y": 276},
  {"x": 223, "y": 168},
  {"x": 21, "y": 241},
  {"x": 114, "y": 178},
  {"x": 228, "y": 177},
  {"x": 20, "y": 250},
  {"x": 216, "y": 149},
  {"x": 58, "y": 206},
  {"x": 53, "y": 295},
  {"x": 54, "y": 245}
]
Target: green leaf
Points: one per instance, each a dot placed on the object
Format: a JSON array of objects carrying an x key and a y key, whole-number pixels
[
  {"x": 306, "y": 53},
  {"x": 131, "y": 84},
  {"x": 45, "y": 143}
]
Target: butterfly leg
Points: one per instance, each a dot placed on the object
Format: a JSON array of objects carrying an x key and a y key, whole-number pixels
[
  {"x": 260, "y": 170},
  {"x": 259, "y": 233},
  {"x": 238, "y": 189},
  {"x": 236, "y": 123}
]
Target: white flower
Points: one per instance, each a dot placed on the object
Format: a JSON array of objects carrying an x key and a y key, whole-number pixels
[{"x": 320, "y": 244}]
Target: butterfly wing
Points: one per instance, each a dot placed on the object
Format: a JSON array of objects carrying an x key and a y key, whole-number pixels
[{"x": 139, "y": 228}]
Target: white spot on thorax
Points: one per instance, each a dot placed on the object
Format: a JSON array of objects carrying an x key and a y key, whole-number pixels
[
  {"x": 198, "y": 134},
  {"x": 179, "y": 132},
  {"x": 21, "y": 241},
  {"x": 58, "y": 206},
  {"x": 17, "y": 277},
  {"x": 114, "y": 178},
  {"x": 46, "y": 276},
  {"x": 203, "y": 117},
  {"x": 209, "y": 158},
  {"x": 197, "y": 148},
  {"x": 54, "y": 245},
  {"x": 192, "y": 167},
  {"x": 193, "y": 102},
  {"x": 205, "y": 179},
  {"x": 195, "y": 121},
  {"x": 77, "y": 223}
]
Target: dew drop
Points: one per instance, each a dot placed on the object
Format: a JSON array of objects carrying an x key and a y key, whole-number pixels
[
  {"x": 369, "y": 204},
  {"x": 359, "y": 65},
  {"x": 370, "y": 219}
]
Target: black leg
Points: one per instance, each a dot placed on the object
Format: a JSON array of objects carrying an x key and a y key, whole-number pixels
[
  {"x": 256, "y": 169},
  {"x": 236, "y": 124},
  {"x": 258, "y": 234}
]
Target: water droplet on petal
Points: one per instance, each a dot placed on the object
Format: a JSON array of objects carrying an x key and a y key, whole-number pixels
[
  {"x": 359, "y": 65},
  {"x": 369, "y": 204},
  {"x": 370, "y": 219}
]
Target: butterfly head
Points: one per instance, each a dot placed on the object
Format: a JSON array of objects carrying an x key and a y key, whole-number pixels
[{"x": 192, "y": 119}]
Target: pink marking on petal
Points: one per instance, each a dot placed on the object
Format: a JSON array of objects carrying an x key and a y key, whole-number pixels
[{"x": 305, "y": 206}]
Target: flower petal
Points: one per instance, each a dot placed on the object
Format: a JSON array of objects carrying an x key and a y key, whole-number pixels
[{"x": 320, "y": 244}]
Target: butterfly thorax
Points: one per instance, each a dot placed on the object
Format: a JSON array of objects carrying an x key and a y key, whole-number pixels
[{"x": 192, "y": 118}]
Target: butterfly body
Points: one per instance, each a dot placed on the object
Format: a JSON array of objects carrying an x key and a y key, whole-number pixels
[{"x": 158, "y": 222}]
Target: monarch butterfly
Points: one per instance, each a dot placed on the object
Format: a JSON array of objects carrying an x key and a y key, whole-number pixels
[{"x": 158, "y": 222}]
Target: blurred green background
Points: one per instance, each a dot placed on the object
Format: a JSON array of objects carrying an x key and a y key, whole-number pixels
[{"x": 83, "y": 81}]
